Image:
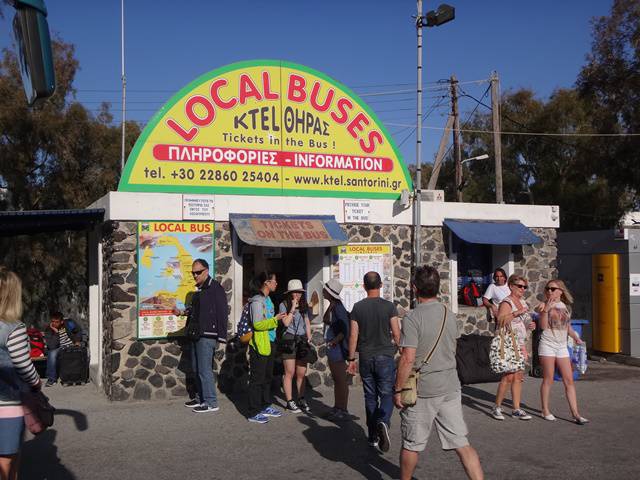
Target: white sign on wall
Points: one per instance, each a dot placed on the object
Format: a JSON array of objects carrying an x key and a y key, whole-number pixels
[
  {"x": 357, "y": 211},
  {"x": 197, "y": 207},
  {"x": 634, "y": 284},
  {"x": 351, "y": 262}
]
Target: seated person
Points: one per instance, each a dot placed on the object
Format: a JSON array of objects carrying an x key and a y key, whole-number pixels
[{"x": 58, "y": 334}]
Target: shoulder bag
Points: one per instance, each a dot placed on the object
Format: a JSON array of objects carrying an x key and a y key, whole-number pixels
[
  {"x": 409, "y": 391},
  {"x": 504, "y": 356},
  {"x": 38, "y": 412}
]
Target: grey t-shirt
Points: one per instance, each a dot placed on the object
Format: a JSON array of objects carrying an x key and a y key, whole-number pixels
[
  {"x": 298, "y": 326},
  {"x": 420, "y": 329},
  {"x": 373, "y": 316}
]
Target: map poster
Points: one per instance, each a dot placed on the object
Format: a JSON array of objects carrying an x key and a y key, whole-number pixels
[
  {"x": 166, "y": 251},
  {"x": 352, "y": 261}
]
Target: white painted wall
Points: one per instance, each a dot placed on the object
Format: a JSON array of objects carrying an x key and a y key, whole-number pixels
[
  {"x": 168, "y": 206},
  {"x": 95, "y": 307}
]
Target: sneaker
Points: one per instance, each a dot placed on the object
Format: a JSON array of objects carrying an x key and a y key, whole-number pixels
[
  {"x": 373, "y": 442},
  {"x": 205, "y": 408},
  {"x": 192, "y": 403},
  {"x": 383, "y": 436},
  {"x": 580, "y": 420},
  {"x": 271, "y": 412},
  {"x": 497, "y": 413},
  {"x": 50, "y": 383},
  {"x": 292, "y": 407},
  {"x": 521, "y": 414},
  {"x": 302, "y": 404},
  {"x": 259, "y": 418},
  {"x": 550, "y": 417}
]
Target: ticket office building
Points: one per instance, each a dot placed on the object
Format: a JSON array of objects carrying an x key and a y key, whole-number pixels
[{"x": 126, "y": 366}]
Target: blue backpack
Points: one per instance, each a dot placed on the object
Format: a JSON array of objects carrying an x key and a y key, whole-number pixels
[{"x": 245, "y": 325}]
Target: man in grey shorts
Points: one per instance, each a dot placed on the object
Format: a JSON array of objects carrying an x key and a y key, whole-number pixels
[{"x": 439, "y": 400}]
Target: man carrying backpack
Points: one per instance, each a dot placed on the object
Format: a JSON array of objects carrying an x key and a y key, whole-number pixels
[
  {"x": 206, "y": 326},
  {"x": 59, "y": 334}
]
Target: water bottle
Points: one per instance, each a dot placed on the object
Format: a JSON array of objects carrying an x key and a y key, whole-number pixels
[{"x": 580, "y": 358}]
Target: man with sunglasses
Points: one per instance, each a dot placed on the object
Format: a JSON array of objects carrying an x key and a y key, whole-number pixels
[{"x": 210, "y": 312}]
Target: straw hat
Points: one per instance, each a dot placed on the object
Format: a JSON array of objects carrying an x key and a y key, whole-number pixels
[
  {"x": 333, "y": 287},
  {"x": 294, "y": 285}
]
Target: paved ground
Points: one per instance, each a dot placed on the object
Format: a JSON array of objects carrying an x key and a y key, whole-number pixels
[{"x": 94, "y": 439}]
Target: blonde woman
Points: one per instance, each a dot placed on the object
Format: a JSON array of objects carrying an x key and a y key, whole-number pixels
[
  {"x": 16, "y": 372},
  {"x": 513, "y": 314},
  {"x": 555, "y": 322}
]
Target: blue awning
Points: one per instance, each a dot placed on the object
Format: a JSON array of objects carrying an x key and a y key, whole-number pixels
[
  {"x": 510, "y": 232},
  {"x": 301, "y": 231}
]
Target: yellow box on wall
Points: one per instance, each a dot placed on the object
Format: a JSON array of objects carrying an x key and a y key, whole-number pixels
[{"x": 605, "y": 282}]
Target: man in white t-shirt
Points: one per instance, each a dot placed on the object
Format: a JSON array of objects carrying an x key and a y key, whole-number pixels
[{"x": 496, "y": 292}]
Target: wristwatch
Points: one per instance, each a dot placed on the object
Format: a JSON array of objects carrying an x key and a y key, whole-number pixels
[{"x": 351, "y": 359}]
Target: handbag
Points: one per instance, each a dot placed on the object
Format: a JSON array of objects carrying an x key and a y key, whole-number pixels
[
  {"x": 409, "y": 391},
  {"x": 305, "y": 352},
  {"x": 38, "y": 412},
  {"x": 505, "y": 356}
]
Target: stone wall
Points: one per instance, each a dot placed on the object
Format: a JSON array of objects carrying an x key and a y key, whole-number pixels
[
  {"x": 145, "y": 369},
  {"x": 159, "y": 369}
]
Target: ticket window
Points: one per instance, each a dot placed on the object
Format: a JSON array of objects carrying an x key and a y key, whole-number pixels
[
  {"x": 286, "y": 263},
  {"x": 310, "y": 265}
]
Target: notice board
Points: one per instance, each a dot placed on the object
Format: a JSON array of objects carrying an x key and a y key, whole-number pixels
[
  {"x": 166, "y": 251},
  {"x": 352, "y": 261}
]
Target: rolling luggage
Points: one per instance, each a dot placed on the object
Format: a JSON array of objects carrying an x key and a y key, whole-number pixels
[
  {"x": 73, "y": 365},
  {"x": 536, "y": 368},
  {"x": 472, "y": 360}
]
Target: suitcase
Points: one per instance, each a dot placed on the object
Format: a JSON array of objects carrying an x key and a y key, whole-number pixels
[
  {"x": 472, "y": 360},
  {"x": 536, "y": 368},
  {"x": 73, "y": 365}
]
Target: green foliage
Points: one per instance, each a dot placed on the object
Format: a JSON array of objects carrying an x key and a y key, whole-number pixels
[
  {"x": 593, "y": 179},
  {"x": 53, "y": 156}
]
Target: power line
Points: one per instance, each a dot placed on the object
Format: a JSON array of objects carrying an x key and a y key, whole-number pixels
[
  {"x": 407, "y": 137},
  {"x": 533, "y": 134}
]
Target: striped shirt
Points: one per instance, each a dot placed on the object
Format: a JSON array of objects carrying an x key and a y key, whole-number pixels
[
  {"x": 19, "y": 349},
  {"x": 65, "y": 341}
]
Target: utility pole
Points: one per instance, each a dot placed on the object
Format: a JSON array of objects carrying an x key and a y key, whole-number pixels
[
  {"x": 456, "y": 137},
  {"x": 417, "y": 199},
  {"x": 124, "y": 85},
  {"x": 437, "y": 164},
  {"x": 497, "y": 144}
]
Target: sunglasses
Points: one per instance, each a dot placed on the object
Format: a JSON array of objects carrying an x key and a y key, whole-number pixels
[
  {"x": 552, "y": 289},
  {"x": 520, "y": 285},
  {"x": 198, "y": 272}
]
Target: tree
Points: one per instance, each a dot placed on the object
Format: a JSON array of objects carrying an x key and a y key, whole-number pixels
[
  {"x": 53, "y": 156},
  {"x": 611, "y": 82}
]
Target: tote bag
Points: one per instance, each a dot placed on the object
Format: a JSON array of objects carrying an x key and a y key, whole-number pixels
[{"x": 505, "y": 356}]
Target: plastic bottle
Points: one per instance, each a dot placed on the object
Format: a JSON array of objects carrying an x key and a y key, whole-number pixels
[{"x": 580, "y": 358}]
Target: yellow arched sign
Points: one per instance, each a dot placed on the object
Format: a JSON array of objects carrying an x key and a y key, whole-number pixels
[{"x": 266, "y": 128}]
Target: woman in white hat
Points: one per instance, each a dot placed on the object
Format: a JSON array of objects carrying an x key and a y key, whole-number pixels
[
  {"x": 336, "y": 336},
  {"x": 298, "y": 331}
]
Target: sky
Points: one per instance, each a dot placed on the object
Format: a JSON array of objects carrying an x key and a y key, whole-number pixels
[{"x": 368, "y": 45}]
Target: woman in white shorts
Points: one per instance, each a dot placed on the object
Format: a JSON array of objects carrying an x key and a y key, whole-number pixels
[{"x": 555, "y": 322}]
